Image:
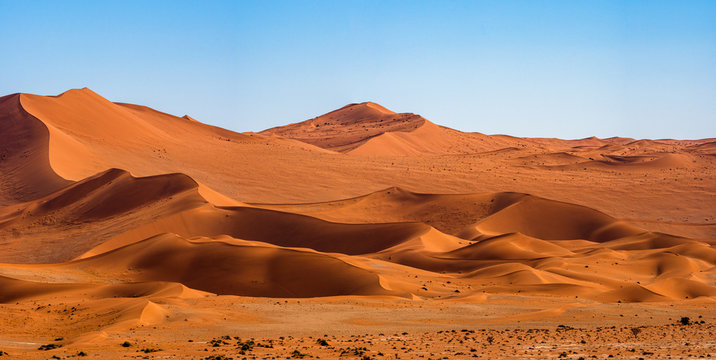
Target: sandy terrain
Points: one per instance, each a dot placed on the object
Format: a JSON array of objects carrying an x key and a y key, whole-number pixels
[{"x": 381, "y": 234}]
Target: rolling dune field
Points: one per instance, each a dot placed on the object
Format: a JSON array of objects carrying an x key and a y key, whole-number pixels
[{"x": 361, "y": 233}]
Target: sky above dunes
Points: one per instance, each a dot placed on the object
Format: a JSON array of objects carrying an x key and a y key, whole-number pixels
[{"x": 566, "y": 69}]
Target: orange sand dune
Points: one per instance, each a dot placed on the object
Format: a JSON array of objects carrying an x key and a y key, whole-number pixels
[
  {"x": 14, "y": 289},
  {"x": 72, "y": 220},
  {"x": 369, "y": 129},
  {"x": 511, "y": 246},
  {"x": 125, "y": 217},
  {"x": 86, "y": 134},
  {"x": 279, "y": 228},
  {"x": 348, "y": 127},
  {"x": 224, "y": 268},
  {"x": 24, "y": 154},
  {"x": 552, "y": 220},
  {"x": 527, "y": 232},
  {"x": 472, "y": 215},
  {"x": 449, "y": 213}
]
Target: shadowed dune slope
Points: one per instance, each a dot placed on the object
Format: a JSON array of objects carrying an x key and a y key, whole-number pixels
[
  {"x": 469, "y": 216},
  {"x": 224, "y": 268},
  {"x": 113, "y": 193},
  {"x": 24, "y": 155},
  {"x": 513, "y": 246},
  {"x": 15, "y": 289},
  {"x": 278, "y": 228},
  {"x": 449, "y": 213},
  {"x": 70, "y": 221}
]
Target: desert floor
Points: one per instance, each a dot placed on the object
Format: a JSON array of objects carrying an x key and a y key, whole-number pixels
[{"x": 356, "y": 328}]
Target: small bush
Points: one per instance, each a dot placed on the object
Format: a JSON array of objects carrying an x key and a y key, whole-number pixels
[
  {"x": 46, "y": 347},
  {"x": 216, "y": 342},
  {"x": 297, "y": 354},
  {"x": 218, "y": 357},
  {"x": 245, "y": 345}
]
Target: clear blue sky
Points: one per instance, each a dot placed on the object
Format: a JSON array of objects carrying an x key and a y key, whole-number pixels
[{"x": 570, "y": 69}]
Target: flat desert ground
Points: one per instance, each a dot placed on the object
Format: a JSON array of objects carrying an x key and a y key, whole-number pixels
[{"x": 362, "y": 233}]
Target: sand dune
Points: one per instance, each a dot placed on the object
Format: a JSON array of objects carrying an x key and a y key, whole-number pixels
[
  {"x": 88, "y": 134},
  {"x": 511, "y": 246},
  {"x": 16, "y": 289},
  {"x": 349, "y": 127},
  {"x": 72, "y": 220},
  {"x": 449, "y": 213},
  {"x": 283, "y": 229},
  {"x": 473, "y": 215},
  {"x": 369, "y": 129},
  {"x": 137, "y": 216},
  {"x": 24, "y": 155},
  {"x": 146, "y": 142},
  {"x": 111, "y": 193},
  {"x": 546, "y": 243},
  {"x": 545, "y": 219},
  {"x": 225, "y": 268}
]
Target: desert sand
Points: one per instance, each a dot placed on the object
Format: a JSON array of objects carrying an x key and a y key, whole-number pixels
[{"x": 361, "y": 233}]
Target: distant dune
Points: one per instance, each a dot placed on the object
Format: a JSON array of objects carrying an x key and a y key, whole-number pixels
[{"x": 369, "y": 129}]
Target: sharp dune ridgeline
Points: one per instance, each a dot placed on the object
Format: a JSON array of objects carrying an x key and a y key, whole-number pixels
[{"x": 137, "y": 216}]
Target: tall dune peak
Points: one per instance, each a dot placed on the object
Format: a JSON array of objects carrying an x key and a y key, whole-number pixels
[
  {"x": 350, "y": 126},
  {"x": 362, "y": 113},
  {"x": 368, "y": 106},
  {"x": 85, "y": 91}
]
